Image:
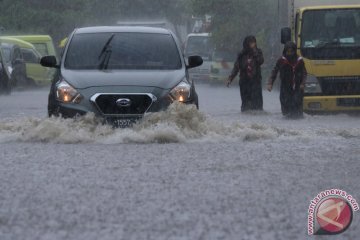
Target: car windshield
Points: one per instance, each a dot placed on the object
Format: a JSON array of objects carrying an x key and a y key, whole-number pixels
[
  {"x": 124, "y": 51},
  {"x": 331, "y": 34}
]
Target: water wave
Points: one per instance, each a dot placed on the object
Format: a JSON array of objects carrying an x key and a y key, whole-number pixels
[{"x": 179, "y": 123}]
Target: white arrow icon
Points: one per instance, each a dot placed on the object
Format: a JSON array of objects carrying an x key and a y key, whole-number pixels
[{"x": 336, "y": 206}]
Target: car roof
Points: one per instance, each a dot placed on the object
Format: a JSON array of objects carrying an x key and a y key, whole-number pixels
[
  {"x": 330, "y": 7},
  {"x": 32, "y": 37},
  {"x": 15, "y": 41},
  {"x": 119, "y": 29}
]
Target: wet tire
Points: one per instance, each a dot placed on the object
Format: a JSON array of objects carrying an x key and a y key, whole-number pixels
[
  {"x": 5, "y": 88},
  {"x": 196, "y": 101},
  {"x": 53, "y": 109}
]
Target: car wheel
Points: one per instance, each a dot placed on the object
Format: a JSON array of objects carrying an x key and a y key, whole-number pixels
[
  {"x": 196, "y": 101},
  {"x": 53, "y": 109},
  {"x": 5, "y": 87}
]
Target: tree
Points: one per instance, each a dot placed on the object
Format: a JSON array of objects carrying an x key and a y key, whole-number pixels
[
  {"x": 59, "y": 18},
  {"x": 234, "y": 19}
]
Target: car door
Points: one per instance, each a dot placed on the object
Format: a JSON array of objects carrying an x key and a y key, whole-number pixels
[
  {"x": 18, "y": 65},
  {"x": 37, "y": 73}
]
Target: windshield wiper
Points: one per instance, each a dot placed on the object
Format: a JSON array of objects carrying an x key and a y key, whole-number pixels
[{"x": 105, "y": 54}]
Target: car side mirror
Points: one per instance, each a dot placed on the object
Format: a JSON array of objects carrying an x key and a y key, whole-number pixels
[
  {"x": 49, "y": 61},
  {"x": 194, "y": 61},
  {"x": 285, "y": 35}
]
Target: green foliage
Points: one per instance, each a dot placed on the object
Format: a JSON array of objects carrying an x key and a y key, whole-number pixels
[
  {"x": 59, "y": 18},
  {"x": 233, "y": 20}
]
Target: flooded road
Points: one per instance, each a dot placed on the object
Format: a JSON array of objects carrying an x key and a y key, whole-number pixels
[{"x": 179, "y": 174}]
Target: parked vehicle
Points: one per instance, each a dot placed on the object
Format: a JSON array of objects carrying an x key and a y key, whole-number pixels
[
  {"x": 111, "y": 72},
  {"x": 221, "y": 65},
  {"x": 36, "y": 74},
  {"x": 5, "y": 76},
  {"x": 199, "y": 44},
  {"x": 43, "y": 43},
  {"x": 328, "y": 39},
  {"x": 62, "y": 43},
  {"x": 15, "y": 64}
]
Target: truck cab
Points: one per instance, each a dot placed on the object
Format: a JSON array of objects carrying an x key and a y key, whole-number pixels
[{"x": 328, "y": 39}]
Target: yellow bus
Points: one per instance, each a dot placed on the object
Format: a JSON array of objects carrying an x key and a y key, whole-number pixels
[{"x": 328, "y": 39}]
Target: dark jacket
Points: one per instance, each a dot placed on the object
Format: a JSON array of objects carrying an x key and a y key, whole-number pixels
[
  {"x": 293, "y": 75},
  {"x": 243, "y": 64},
  {"x": 249, "y": 63},
  {"x": 292, "y": 71}
]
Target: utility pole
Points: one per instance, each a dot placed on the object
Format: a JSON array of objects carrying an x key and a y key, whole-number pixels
[
  {"x": 284, "y": 13},
  {"x": 292, "y": 12},
  {"x": 283, "y": 20}
]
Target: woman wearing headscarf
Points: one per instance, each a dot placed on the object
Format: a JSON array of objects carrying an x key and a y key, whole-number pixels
[
  {"x": 293, "y": 76},
  {"x": 249, "y": 63}
]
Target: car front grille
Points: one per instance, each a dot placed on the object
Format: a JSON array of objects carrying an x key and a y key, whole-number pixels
[
  {"x": 108, "y": 104},
  {"x": 340, "y": 85}
]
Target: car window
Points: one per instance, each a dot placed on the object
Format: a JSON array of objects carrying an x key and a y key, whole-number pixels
[
  {"x": 6, "y": 54},
  {"x": 41, "y": 48},
  {"x": 17, "y": 54},
  {"x": 29, "y": 56},
  {"x": 128, "y": 51}
]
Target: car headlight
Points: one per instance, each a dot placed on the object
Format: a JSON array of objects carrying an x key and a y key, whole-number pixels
[
  {"x": 181, "y": 92},
  {"x": 312, "y": 85},
  {"x": 66, "y": 93}
]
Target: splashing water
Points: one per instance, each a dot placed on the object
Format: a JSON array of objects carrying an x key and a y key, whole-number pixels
[{"x": 179, "y": 123}]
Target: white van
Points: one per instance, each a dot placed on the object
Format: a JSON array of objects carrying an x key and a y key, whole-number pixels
[{"x": 199, "y": 44}]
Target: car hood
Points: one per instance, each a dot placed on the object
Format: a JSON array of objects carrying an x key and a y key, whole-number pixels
[{"x": 164, "y": 79}]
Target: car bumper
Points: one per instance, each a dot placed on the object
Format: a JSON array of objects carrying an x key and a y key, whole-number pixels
[
  {"x": 87, "y": 106},
  {"x": 331, "y": 103}
]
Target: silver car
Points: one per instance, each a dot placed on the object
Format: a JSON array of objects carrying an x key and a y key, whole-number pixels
[{"x": 120, "y": 73}]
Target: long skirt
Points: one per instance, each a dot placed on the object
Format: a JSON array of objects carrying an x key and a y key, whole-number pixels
[
  {"x": 251, "y": 95},
  {"x": 291, "y": 102}
]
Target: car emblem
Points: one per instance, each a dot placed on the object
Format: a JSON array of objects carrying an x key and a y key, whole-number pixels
[{"x": 123, "y": 102}]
